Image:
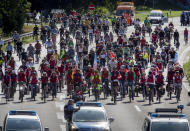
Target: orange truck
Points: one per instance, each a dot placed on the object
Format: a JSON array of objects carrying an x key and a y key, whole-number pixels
[{"x": 127, "y": 10}]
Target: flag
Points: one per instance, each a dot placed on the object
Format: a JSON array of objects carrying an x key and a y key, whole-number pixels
[
  {"x": 112, "y": 55},
  {"x": 176, "y": 57},
  {"x": 62, "y": 53},
  {"x": 77, "y": 60},
  {"x": 39, "y": 14},
  {"x": 95, "y": 61}
]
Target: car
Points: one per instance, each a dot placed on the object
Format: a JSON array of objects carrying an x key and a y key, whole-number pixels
[
  {"x": 166, "y": 119},
  {"x": 90, "y": 117},
  {"x": 156, "y": 17},
  {"x": 22, "y": 120}
]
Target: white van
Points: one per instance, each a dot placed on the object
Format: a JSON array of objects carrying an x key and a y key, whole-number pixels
[{"x": 156, "y": 17}]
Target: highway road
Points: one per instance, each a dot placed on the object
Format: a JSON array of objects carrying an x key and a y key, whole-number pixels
[{"x": 128, "y": 116}]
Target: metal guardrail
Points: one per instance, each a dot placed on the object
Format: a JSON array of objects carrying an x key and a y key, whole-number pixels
[{"x": 21, "y": 36}]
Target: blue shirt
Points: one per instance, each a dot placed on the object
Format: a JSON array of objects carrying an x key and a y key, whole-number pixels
[{"x": 9, "y": 48}]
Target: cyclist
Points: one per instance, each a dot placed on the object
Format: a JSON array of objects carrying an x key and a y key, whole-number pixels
[
  {"x": 77, "y": 78},
  {"x": 13, "y": 76},
  {"x": 186, "y": 32},
  {"x": 122, "y": 81},
  {"x": 53, "y": 83},
  {"x": 105, "y": 79},
  {"x": 150, "y": 81},
  {"x": 31, "y": 51},
  {"x": 38, "y": 50},
  {"x": 178, "y": 84},
  {"x": 96, "y": 79},
  {"x": 6, "y": 83},
  {"x": 159, "y": 83},
  {"x": 130, "y": 81},
  {"x": 44, "y": 84},
  {"x": 9, "y": 50},
  {"x": 34, "y": 85}
]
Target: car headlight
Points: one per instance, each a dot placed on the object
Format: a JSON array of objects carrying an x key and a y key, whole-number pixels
[
  {"x": 106, "y": 129},
  {"x": 74, "y": 128}
]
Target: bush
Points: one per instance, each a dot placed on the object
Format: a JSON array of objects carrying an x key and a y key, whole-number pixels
[{"x": 102, "y": 11}]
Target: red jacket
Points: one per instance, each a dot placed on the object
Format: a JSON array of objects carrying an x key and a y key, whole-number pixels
[
  {"x": 44, "y": 79},
  {"x": 13, "y": 77},
  {"x": 123, "y": 77},
  {"x": 77, "y": 77},
  {"x": 53, "y": 79},
  {"x": 159, "y": 79},
  {"x": 21, "y": 77},
  {"x": 130, "y": 76},
  {"x": 33, "y": 80},
  {"x": 150, "y": 79},
  {"x": 6, "y": 79},
  {"x": 177, "y": 78},
  {"x": 115, "y": 75},
  {"x": 105, "y": 74}
]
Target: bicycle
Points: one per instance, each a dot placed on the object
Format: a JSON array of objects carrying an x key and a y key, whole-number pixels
[
  {"x": 178, "y": 91},
  {"x": 21, "y": 91},
  {"x": 105, "y": 89},
  {"x": 159, "y": 92},
  {"x": 96, "y": 92},
  {"x": 115, "y": 86},
  {"x": 7, "y": 93},
  {"x": 44, "y": 92},
  {"x": 150, "y": 93},
  {"x": 170, "y": 89}
]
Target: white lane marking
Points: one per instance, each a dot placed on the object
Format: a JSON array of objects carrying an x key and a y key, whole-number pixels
[
  {"x": 63, "y": 127},
  {"x": 60, "y": 116},
  {"x": 60, "y": 105},
  {"x": 62, "y": 97},
  {"x": 137, "y": 108}
]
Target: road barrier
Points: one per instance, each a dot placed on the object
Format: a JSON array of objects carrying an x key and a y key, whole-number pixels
[{"x": 21, "y": 36}]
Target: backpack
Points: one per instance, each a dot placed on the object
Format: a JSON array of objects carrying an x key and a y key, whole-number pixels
[{"x": 66, "y": 112}]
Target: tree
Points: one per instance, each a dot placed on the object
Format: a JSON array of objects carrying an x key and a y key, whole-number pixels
[{"x": 13, "y": 14}]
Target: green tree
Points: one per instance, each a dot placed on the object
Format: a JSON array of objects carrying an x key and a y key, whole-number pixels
[{"x": 13, "y": 14}]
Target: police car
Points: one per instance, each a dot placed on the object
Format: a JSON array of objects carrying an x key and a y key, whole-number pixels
[
  {"x": 22, "y": 120},
  {"x": 90, "y": 117},
  {"x": 165, "y": 119}
]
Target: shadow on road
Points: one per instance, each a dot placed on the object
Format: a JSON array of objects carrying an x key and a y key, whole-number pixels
[
  {"x": 110, "y": 104},
  {"x": 41, "y": 102},
  {"x": 126, "y": 102},
  {"x": 17, "y": 102},
  {"x": 140, "y": 101},
  {"x": 173, "y": 103},
  {"x": 146, "y": 104}
]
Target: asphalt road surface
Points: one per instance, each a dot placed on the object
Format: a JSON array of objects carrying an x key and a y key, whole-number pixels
[{"x": 128, "y": 116}]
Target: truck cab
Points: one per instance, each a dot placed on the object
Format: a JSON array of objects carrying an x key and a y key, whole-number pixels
[{"x": 126, "y": 9}]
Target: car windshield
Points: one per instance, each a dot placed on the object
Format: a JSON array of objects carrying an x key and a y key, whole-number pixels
[
  {"x": 121, "y": 12},
  {"x": 169, "y": 126},
  {"x": 89, "y": 116},
  {"x": 17, "y": 124},
  {"x": 155, "y": 14}
]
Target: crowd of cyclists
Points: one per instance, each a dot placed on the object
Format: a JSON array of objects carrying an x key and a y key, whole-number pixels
[{"x": 95, "y": 55}]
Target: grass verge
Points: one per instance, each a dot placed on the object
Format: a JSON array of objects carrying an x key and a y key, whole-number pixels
[
  {"x": 187, "y": 70},
  {"x": 142, "y": 14},
  {"x": 26, "y": 40}
]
